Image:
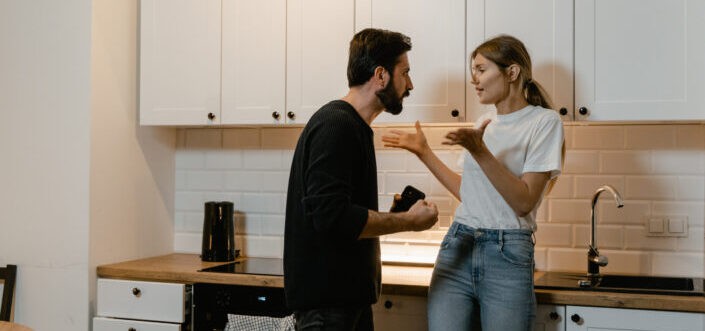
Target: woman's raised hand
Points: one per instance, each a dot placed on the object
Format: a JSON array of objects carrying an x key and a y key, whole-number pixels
[
  {"x": 412, "y": 142},
  {"x": 471, "y": 139}
]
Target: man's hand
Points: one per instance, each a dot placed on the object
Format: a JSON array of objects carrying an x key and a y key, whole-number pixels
[{"x": 422, "y": 215}]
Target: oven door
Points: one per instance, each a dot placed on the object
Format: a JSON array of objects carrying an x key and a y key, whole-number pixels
[{"x": 213, "y": 302}]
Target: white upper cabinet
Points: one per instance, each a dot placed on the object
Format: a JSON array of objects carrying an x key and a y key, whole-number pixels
[
  {"x": 640, "y": 60},
  {"x": 545, "y": 27},
  {"x": 318, "y": 38},
  {"x": 254, "y": 59},
  {"x": 437, "y": 58},
  {"x": 180, "y": 61},
  {"x": 230, "y": 62},
  {"x": 634, "y": 60}
]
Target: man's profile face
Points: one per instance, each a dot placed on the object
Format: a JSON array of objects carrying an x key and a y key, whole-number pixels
[{"x": 397, "y": 88}]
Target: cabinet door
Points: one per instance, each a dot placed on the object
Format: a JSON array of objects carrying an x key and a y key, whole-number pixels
[
  {"x": 318, "y": 36},
  {"x": 550, "y": 318},
  {"x": 640, "y": 60},
  {"x": 437, "y": 58},
  {"x": 179, "y": 62},
  {"x": 400, "y": 312},
  {"x": 254, "y": 56},
  {"x": 613, "y": 319},
  {"x": 546, "y": 29}
]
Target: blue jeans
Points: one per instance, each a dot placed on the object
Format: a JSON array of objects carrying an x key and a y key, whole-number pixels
[{"x": 483, "y": 280}]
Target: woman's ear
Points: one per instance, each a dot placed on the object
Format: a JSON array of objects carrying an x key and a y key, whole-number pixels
[{"x": 513, "y": 72}]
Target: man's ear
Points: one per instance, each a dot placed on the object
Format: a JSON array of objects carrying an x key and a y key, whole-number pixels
[{"x": 381, "y": 76}]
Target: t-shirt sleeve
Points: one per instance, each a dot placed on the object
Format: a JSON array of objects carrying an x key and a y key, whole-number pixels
[
  {"x": 333, "y": 152},
  {"x": 544, "y": 152}
]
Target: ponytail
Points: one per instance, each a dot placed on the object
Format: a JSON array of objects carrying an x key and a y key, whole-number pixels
[{"x": 536, "y": 95}]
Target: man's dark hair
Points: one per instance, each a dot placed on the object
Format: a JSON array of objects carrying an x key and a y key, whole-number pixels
[{"x": 371, "y": 48}]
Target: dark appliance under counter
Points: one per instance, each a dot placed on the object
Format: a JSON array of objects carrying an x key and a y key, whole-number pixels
[{"x": 213, "y": 302}]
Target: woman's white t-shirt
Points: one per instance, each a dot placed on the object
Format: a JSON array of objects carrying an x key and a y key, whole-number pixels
[{"x": 527, "y": 140}]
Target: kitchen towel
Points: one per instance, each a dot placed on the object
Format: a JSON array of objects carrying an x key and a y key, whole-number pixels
[{"x": 249, "y": 322}]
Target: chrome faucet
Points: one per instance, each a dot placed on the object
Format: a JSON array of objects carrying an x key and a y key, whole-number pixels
[{"x": 595, "y": 260}]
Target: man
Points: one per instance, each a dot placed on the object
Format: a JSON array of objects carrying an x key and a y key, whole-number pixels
[{"x": 332, "y": 268}]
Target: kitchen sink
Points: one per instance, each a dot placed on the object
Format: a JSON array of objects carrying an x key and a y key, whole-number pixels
[{"x": 621, "y": 283}]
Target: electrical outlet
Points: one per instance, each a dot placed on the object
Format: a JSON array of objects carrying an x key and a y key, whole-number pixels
[{"x": 667, "y": 226}]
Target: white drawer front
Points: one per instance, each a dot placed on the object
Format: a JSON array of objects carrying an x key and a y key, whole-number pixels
[
  {"x": 141, "y": 300},
  {"x": 111, "y": 324}
]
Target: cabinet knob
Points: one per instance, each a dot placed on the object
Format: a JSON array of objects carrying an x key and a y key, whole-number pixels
[
  {"x": 211, "y": 116},
  {"x": 583, "y": 111},
  {"x": 553, "y": 316},
  {"x": 388, "y": 304},
  {"x": 576, "y": 318},
  {"x": 454, "y": 113},
  {"x": 563, "y": 111},
  {"x": 291, "y": 115},
  {"x": 131, "y": 329},
  {"x": 275, "y": 115},
  {"x": 136, "y": 291}
]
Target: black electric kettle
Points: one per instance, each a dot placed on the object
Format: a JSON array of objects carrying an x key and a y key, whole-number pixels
[{"x": 218, "y": 233}]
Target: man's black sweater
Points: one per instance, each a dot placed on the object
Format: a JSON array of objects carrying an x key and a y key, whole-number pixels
[{"x": 332, "y": 184}]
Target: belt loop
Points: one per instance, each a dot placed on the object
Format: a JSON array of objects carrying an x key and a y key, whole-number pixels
[
  {"x": 500, "y": 240},
  {"x": 456, "y": 226}
]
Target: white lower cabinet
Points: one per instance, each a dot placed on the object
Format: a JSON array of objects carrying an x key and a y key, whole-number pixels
[
  {"x": 142, "y": 306},
  {"x": 550, "y": 318},
  {"x": 614, "y": 319},
  {"x": 400, "y": 312}
]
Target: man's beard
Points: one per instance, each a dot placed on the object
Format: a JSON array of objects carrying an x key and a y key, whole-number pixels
[{"x": 390, "y": 101}]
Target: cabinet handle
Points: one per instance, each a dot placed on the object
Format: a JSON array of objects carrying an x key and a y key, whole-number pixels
[
  {"x": 211, "y": 116},
  {"x": 291, "y": 115},
  {"x": 388, "y": 304},
  {"x": 136, "y": 291},
  {"x": 583, "y": 111},
  {"x": 275, "y": 115},
  {"x": 563, "y": 111},
  {"x": 553, "y": 316},
  {"x": 576, "y": 318},
  {"x": 454, "y": 113}
]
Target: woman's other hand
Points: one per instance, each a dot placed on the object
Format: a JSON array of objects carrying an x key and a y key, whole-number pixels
[
  {"x": 470, "y": 138},
  {"x": 412, "y": 142}
]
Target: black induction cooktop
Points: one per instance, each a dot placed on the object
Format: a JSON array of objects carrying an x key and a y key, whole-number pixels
[{"x": 251, "y": 265}]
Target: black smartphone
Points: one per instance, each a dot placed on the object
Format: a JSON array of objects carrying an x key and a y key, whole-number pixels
[{"x": 408, "y": 198}]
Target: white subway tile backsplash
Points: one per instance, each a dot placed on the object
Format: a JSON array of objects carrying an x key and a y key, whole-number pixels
[
  {"x": 674, "y": 162},
  {"x": 650, "y": 137},
  {"x": 650, "y": 187},
  {"x": 635, "y": 239},
  {"x": 204, "y": 139},
  {"x": 569, "y": 211},
  {"x": 625, "y": 162},
  {"x": 690, "y": 188},
  {"x": 606, "y": 236},
  {"x": 598, "y": 137},
  {"x": 581, "y": 162},
  {"x": 204, "y": 180},
  {"x": 264, "y": 160},
  {"x": 549, "y": 235},
  {"x": 677, "y": 264},
  {"x": 586, "y": 185},
  {"x": 626, "y": 262},
  {"x": 659, "y": 169}
]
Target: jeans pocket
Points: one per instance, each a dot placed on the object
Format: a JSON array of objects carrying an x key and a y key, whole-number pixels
[{"x": 518, "y": 252}]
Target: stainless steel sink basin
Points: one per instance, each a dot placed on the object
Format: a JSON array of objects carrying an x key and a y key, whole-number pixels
[{"x": 621, "y": 283}]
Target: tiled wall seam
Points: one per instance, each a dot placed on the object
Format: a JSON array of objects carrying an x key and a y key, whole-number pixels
[{"x": 659, "y": 170}]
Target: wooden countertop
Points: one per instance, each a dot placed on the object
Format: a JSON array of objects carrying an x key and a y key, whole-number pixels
[{"x": 183, "y": 268}]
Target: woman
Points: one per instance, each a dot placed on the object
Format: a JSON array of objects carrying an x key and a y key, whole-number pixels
[{"x": 483, "y": 276}]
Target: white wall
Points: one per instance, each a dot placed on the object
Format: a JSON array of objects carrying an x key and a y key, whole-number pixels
[
  {"x": 659, "y": 170},
  {"x": 44, "y": 143},
  {"x": 132, "y": 167},
  {"x": 80, "y": 182}
]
